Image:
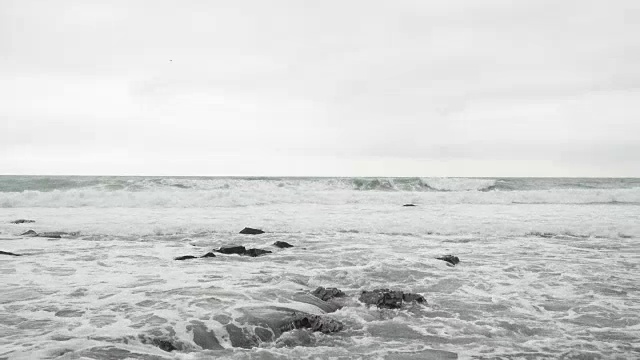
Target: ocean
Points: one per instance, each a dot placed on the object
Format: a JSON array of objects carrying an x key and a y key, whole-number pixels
[{"x": 548, "y": 267}]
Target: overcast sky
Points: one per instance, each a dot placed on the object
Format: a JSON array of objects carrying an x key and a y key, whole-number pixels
[{"x": 350, "y": 88}]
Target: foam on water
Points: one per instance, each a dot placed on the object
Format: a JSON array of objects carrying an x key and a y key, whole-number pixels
[{"x": 541, "y": 278}]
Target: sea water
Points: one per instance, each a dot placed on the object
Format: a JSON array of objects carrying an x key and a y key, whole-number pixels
[{"x": 549, "y": 267}]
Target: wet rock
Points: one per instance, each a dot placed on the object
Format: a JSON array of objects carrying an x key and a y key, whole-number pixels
[
  {"x": 208, "y": 255},
  {"x": 409, "y": 205},
  {"x": 185, "y": 257},
  {"x": 408, "y": 297},
  {"x": 282, "y": 244},
  {"x": 164, "y": 342},
  {"x": 453, "y": 260},
  {"x": 312, "y": 322},
  {"x": 256, "y": 252},
  {"x": 388, "y": 299},
  {"x": 251, "y": 231},
  {"x": 263, "y": 334},
  {"x": 240, "y": 250},
  {"x": 22, "y": 221},
  {"x": 327, "y": 293},
  {"x": 165, "y": 345},
  {"x": 241, "y": 338},
  {"x": 204, "y": 337},
  {"x": 8, "y": 253},
  {"x": 29, "y": 233}
]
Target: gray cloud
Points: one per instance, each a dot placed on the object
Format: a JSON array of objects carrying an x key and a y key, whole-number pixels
[{"x": 479, "y": 81}]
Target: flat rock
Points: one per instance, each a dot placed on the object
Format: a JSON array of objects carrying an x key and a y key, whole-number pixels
[
  {"x": 251, "y": 231},
  {"x": 240, "y": 250},
  {"x": 326, "y": 294},
  {"x": 22, "y": 221},
  {"x": 409, "y": 205},
  {"x": 8, "y": 253},
  {"x": 453, "y": 260},
  {"x": 282, "y": 244},
  {"x": 185, "y": 257},
  {"x": 256, "y": 252},
  {"x": 49, "y": 234},
  {"x": 57, "y": 234},
  {"x": 389, "y": 299}
]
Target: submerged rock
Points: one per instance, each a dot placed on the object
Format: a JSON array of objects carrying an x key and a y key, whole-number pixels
[
  {"x": 453, "y": 260},
  {"x": 50, "y": 234},
  {"x": 256, "y": 252},
  {"x": 8, "y": 253},
  {"x": 388, "y": 299},
  {"x": 408, "y": 205},
  {"x": 251, "y": 231},
  {"x": 57, "y": 234},
  {"x": 327, "y": 293},
  {"x": 282, "y": 244},
  {"x": 185, "y": 257},
  {"x": 22, "y": 221},
  {"x": 204, "y": 337},
  {"x": 260, "y": 324}
]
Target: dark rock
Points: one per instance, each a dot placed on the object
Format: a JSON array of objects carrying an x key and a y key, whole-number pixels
[
  {"x": 263, "y": 333},
  {"x": 313, "y": 322},
  {"x": 251, "y": 231},
  {"x": 327, "y": 293},
  {"x": 408, "y": 297},
  {"x": 29, "y": 233},
  {"x": 57, "y": 234},
  {"x": 165, "y": 345},
  {"x": 22, "y": 221},
  {"x": 240, "y": 250},
  {"x": 204, "y": 337},
  {"x": 8, "y": 253},
  {"x": 208, "y": 255},
  {"x": 453, "y": 260},
  {"x": 241, "y": 338},
  {"x": 282, "y": 244},
  {"x": 185, "y": 257},
  {"x": 407, "y": 205},
  {"x": 388, "y": 299},
  {"x": 256, "y": 252},
  {"x": 382, "y": 298}
]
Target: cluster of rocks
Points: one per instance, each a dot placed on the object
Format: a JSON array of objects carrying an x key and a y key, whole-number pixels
[
  {"x": 390, "y": 299},
  {"x": 237, "y": 250}
]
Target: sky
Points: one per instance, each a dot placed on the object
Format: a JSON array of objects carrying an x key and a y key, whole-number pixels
[{"x": 320, "y": 88}]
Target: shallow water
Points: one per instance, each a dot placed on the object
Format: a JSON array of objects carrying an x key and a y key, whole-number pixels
[{"x": 536, "y": 280}]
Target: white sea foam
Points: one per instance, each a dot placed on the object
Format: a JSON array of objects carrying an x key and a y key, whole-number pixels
[{"x": 544, "y": 272}]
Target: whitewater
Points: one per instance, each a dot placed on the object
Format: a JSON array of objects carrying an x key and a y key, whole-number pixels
[{"x": 548, "y": 267}]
